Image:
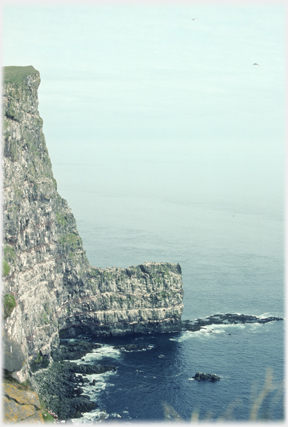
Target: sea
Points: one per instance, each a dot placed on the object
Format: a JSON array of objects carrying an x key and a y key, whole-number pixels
[{"x": 232, "y": 259}]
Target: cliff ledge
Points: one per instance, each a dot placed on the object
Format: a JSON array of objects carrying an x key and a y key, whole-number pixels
[{"x": 49, "y": 288}]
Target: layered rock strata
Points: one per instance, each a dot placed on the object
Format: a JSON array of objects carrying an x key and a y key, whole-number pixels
[{"x": 46, "y": 268}]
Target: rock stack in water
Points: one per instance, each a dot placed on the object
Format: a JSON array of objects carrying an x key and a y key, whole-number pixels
[{"x": 49, "y": 288}]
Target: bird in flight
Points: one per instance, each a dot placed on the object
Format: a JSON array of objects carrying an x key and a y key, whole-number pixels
[
  {"x": 255, "y": 63},
  {"x": 193, "y": 19}
]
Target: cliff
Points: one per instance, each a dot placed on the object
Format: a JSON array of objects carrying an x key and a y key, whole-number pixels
[
  {"x": 20, "y": 404},
  {"x": 49, "y": 288}
]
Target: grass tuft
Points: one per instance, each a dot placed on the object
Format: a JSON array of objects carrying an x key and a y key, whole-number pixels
[{"x": 17, "y": 75}]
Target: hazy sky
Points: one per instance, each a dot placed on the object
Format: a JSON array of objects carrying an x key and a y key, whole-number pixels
[{"x": 157, "y": 101}]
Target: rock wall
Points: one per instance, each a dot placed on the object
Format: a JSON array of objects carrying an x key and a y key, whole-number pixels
[
  {"x": 46, "y": 270},
  {"x": 21, "y": 405}
]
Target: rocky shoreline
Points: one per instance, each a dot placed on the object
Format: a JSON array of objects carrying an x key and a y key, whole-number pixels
[
  {"x": 225, "y": 319},
  {"x": 60, "y": 387},
  {"x": 59, "y": 384}
]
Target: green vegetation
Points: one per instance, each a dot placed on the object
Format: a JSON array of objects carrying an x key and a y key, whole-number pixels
[
  {"x": 46, "y": 416},
  {"x": 39, "y": 357},
  {"x": 40, "y": 362},
  {"x": 9, "y": 305},
  {"x": 14, "y": 209},
  {"x": 45, "y": 318},
  {"x": 31, "y": 142},
  {"x": 11, "y": 149},
  {"x": 61, "y": 219},
  {"x": 55, "y": 183},
  {"x": 107, "y": 275},
  {"x": 38, "y": 121},
  {"x": 5, "y": 268},
  {"x": 164, "y": 295},
  {"x": 16, "y": 75},
  {"x": 47, "y": 308},
  {"x": 18, "y": 193},
  {"x": 70, "y": 240},
  {"x": 69, "y": 310},
  {"x": 93, "y": 272},
  {"x": 9, "y": 253}
]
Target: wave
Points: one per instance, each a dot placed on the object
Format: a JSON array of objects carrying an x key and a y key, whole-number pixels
[
  {"x": 91, "y": 417},
  {"x": 219, "y": 325},
  {"x": 105, "y": 351}
]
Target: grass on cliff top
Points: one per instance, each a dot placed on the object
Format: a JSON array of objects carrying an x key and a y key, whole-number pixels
[{"x": 16, "y": 75}]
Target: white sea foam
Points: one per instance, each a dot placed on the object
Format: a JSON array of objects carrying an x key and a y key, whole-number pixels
[
  {"x": 98, "y": 354},
  {"x": 101, "y": 382},
  {"x": 270, "y": 314},
  {"x": 91, "y": 417},
  {"x": 115, "y": 415},
  {"x": 208, "y": 331},
  {"x": 186, "y": 335},
  {"x": 224, "y": 327}
]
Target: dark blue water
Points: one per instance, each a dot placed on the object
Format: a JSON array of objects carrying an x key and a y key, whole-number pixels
[
  {"x": 232, "y": 259},
  {"x": 149, "y": 380}
]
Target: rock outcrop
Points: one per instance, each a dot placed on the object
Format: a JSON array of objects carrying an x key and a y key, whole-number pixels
[
  {"x": 225, "y": 319},
  {"x": 20, "y": 405},
  {"x": 202, "y": 376},
  {"x": 46, "y": 269}
]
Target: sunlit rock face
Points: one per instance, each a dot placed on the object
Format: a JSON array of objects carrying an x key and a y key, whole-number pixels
[
  {"x": 20, "y": 405},
  {"x": 47, "y": 271}
]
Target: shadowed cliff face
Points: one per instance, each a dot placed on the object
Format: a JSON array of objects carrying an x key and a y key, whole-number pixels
[{"x": 55, "y": 288}]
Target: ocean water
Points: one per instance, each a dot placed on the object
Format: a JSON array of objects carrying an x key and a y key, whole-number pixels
[{"x": 232, "y": 259}]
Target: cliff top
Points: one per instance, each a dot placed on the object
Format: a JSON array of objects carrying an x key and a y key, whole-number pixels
[{"x": 16, "y": 75}]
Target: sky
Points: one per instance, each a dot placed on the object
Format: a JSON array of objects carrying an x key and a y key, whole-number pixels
[{"x": 160, "y": 98}]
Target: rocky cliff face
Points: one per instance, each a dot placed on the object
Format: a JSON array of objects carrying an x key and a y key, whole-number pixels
[
  {"x": 46, "y": 270},
  {"x": 20, "y": 405}
]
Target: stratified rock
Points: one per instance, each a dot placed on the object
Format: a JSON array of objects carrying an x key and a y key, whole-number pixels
[
  {"x": 48, "y": 273},
  {"x": 50, "y": 287}
]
